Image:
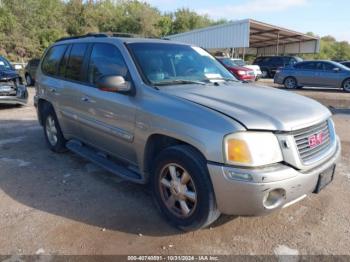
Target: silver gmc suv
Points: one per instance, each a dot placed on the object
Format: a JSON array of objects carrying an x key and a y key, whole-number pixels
[{"x": 169, "y": 115}]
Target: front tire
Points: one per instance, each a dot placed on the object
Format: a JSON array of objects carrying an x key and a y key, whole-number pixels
[
  {"x": 346, "y": 85},
  {"x": 182, "y": 188},
  {"x": 52, "y": 131},
  {"x": 290, "y": 83}
]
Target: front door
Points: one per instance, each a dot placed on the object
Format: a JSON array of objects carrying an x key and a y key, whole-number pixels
[{"x": 109, "y": 118}]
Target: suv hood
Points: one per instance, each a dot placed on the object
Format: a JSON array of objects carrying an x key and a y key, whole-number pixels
[{"x": 256, "y": 108}]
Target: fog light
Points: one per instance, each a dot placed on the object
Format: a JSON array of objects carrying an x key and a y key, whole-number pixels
[{"x": 274, "y": 198}]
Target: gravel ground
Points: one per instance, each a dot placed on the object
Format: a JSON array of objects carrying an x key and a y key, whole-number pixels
[{"x": 61, "y": 204}]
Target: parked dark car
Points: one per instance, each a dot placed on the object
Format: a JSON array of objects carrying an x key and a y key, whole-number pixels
[
  {"x": 314, "y": 73},
  {"x": 12, "y": 90},
  {"x": 346, "y": 63},
  {"x": 30, "y": 71},
  {"x": 240, "y": 72},
  {"x": 269, "y": 64}
]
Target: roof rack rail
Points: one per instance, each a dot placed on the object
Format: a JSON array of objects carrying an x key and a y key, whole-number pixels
[
  {"x": 82, "y": 36},
  {"x": 108, "y": 34}
]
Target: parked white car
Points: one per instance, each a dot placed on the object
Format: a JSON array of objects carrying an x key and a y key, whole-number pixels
[{"x": 255, "y": 68}]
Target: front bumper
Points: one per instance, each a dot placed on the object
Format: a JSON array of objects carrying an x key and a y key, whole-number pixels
[
  {"x": 20, "y": 98},
  {"x": 239, "y": 197}
]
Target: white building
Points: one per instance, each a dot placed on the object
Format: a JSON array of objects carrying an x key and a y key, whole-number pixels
[{"x": 250, "y": 37}]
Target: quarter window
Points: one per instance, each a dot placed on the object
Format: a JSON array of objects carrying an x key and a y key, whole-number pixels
[
  {"x": 105, "y": 60},
  {"x": 75, "y": 63},
  {"x": 52, "y": 59}
]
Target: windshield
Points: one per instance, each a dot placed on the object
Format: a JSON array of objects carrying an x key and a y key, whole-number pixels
[
  {"x": 4, "y": 64},
  {"x": 341, "y": 66},
  {"x": 168, "y": 64}
]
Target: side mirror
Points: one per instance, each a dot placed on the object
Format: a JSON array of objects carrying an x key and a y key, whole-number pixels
[
  {"x": 113, "y": 84},
  {"x": 336, "y": 69}
]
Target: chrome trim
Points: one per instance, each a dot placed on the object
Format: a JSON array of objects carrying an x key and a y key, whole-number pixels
[{"x": 291, "y": 154}]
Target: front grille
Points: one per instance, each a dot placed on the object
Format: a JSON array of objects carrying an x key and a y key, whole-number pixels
[
  {"x": 251, "y": 73},
  {"x": 301, "y": 138}
]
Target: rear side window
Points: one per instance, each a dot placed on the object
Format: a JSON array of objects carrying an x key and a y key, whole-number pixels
[
  {"x": 105, "y": 60},
  {"x": 309, "y": 66},
  {"x": 276, "y": 61},
  {"x": 75, "y": 63},
  {"x": 52, "y": 59},
  {"x": 328, "y": 66}
]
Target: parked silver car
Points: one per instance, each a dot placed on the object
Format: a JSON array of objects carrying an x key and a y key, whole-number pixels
[
  {"x": 170, "y": 115},
  {"x": 314, "y": 73}
]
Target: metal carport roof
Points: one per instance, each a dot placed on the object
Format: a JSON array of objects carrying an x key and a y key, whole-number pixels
[{"x": 257, "y": 37}]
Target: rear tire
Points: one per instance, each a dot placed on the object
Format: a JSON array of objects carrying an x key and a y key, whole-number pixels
[
  {"x": 290, "y": 83},
  {"x": 346, "y": 85},
  {"x": 265, "y": 74},
  {"x": 52, "y": 130},
  {"x": 182, "y": 189}
]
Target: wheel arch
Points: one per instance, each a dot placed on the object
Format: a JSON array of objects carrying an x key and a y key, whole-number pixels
[
  {"x": 42, "y": 104},
  {"x": 155, "y": 144},
  {"x": 343, "y": 82}
]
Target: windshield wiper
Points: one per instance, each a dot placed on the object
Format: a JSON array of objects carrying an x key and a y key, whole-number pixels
[
  {"x": 179, "y": 81},
  {"x": 224, "y": 79}
]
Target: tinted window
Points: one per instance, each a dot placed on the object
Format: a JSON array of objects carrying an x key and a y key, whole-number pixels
[
  {"x": 328, "y": 66},
  {"x": 52, "y": 59},
  {"x": 105, "y": 60},
  {"x": 63, "y": 63},
  {"x": 292, "y": 61},
  {"x": 277, "y": 61},
  {"x": 347, "y": 64},
  {"x": 299, "y": 65},
  {"x": 75, "y": 63},
  {"x": 309, "y": 66}
]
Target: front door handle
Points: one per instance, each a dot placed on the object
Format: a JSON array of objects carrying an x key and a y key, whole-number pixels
[
  {"x": 87, "y": 99},
  {"x": 52, "y": 90}
]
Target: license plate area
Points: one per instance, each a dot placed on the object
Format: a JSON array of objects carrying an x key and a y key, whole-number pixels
[{"x": 325, "y": 178}]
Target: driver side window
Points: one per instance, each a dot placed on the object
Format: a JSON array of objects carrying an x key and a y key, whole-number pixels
[{"x": 105, "y": 60}]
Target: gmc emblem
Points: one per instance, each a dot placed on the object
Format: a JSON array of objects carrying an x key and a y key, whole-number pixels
[{"x": 315, "y": 140}]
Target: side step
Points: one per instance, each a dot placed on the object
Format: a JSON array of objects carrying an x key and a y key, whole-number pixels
[{"x": 109, "y": 165}]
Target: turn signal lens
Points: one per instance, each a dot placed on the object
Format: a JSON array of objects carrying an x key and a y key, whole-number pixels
[{"x": 238, "y": 151}]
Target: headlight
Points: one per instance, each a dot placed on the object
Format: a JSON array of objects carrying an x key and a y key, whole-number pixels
[
  {"x": 241, "y": 72},
  {"x": 252, "y": 149}
]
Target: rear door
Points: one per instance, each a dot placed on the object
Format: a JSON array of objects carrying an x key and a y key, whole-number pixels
[
  {"x": 109, "y": 118},
  {"x": 49, "y": 80},
  {"x": 73, "y": 83},
  {"x": 307, "y": 72}
]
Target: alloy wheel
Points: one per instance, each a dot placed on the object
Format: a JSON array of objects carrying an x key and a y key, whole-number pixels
[
  {"x": 290, "y": 83},
  {"x": 177, "y": 190},
  {"x": 51, "y": 131},
  {"x": 346, "y": 85}
]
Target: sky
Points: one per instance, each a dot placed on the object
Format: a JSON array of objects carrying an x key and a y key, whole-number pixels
[{"x": 323, "y": 17}]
